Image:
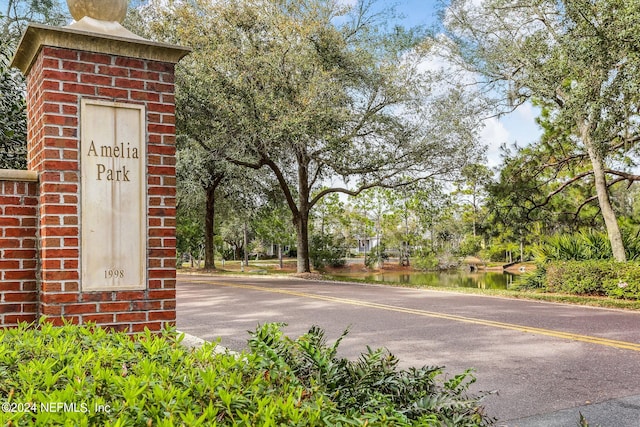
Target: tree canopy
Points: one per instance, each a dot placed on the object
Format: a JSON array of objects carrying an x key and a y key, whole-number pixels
[
  {"x": 317, "y": 93},
  {"x": 13, "y": 117}
]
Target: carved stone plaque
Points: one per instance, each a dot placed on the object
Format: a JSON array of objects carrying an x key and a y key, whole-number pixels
[{"x": 113, "y": 207}]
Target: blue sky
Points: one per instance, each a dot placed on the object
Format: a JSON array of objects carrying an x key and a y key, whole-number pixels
[{"x": 518, "y": 126}]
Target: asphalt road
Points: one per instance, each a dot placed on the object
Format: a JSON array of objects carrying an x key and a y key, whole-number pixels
[{"x": 546, "y": 361}]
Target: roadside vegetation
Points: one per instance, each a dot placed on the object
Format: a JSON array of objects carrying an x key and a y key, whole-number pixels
[{"x": 86, "y": 376}]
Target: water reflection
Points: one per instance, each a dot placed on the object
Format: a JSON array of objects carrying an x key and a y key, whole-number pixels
[{"x": 455, "y": 279}]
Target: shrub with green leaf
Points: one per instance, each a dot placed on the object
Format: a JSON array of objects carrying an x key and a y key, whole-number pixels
[
  {"x": 376, "y": 256},
  {"x": 582, "y": 263},
  {"x": 325, "y": 249},
  {"x": 596, "y": 277},
  {"x": 84, "y": 376},
  {"x": 425, "y": 259},
  {"x": 371, "y": 388}
]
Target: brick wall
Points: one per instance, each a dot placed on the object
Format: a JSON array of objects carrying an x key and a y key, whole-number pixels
[
  {"x": 57, "y": 81},
  {"x": 18, "y": 239}
]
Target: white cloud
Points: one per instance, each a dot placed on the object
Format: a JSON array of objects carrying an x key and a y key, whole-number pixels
[
  {"x": 517, "y": 127},
  {"x": 493, "y": 135}
]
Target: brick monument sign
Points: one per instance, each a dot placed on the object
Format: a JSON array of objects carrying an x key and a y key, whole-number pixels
[{"x": 87, "y": 233}]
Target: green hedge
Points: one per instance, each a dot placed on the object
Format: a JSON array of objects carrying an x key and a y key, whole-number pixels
[
  {"x": 84, "y": 376},
  {"x": 595, "y": 277}
]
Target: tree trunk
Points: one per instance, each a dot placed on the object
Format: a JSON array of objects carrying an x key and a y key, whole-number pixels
[
  {"x": 302, "y": 232},
  {"x": 280, "y": 261},
  {"x": 245, "y": 237},
  {"x": 209, "y": 247},
  {"x": 608, "y": 214},
  {"x": 301, "y": 218}
]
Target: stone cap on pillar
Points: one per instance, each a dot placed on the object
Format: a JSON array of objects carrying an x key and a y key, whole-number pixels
[{"x": 92, "y": 35}]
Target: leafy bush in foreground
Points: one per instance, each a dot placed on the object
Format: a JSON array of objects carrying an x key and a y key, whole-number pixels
[
  {"x": 84, "y": 376},
  {"x": 371, "y": 388}
]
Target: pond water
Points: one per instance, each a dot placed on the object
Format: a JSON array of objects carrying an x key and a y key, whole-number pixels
[{"x": 448, "y": 279}]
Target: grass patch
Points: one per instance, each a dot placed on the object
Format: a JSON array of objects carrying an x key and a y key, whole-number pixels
[{"x": 536, "y": 295}]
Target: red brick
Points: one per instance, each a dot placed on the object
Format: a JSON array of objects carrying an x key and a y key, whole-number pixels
[
  {"x": 79, "y": 308},
  {"x": 98, "y": 318},
  {"x": 84, "y": 89},
  {"x": 96, "y": 79},
  {"x": 48, "y": 298},
  {"x": 59, "y": 275},
  {"x": 69, "y": 109},
  {"x": 19, "y": 275},
  {"x": 29, "y": 286},
  {"x": 19, "y": 254},
  {"x": 58, "y": 75},
  {"x": 154, "y": 326},
  {"x": 131, "y": 317},
  {"x": 61, "y": 97},
  {"x": 46, "y": 243},
  {"x": 109, "y": 92},
  {"x": 62, "y": 231},
  {"x": 144, "y": 75},
  {"x": 71, "y": 287},
  {"x": 114, "y": 306},
  {"x": 60, "y": 253},
  {"x": 129, "y": 295},
  {"x": 97, "y": 296},
  {"x": 10, "y": 308},
  {"x": 84, "y": 67},
  {"x": 48, "y": 287},
  {"x": 162, "y": 294},
  {"x": 59, "y": 210},
  {"x": 129, "y": 62},
  {"x": 20, "y": 296},
  {"x": 28, "y": 222},
  {"x": 10, "y": 286},
  {"x": 138, "y": 95},
  {"x": 159, "y": 87},
  {"x": 54, "y": 119},
  {"x": 95, "y": 58},
  {"x": 9, "y": 243},
  {"x": 161, "y": 107},
  {"x": 50, "y": 309},
  {"x": 160, "y": 274},
  {"x": 146, "y": 305},
  {"x": 60, "y": 53},
  {"x": 129, "y": 84},
  {"x": 71, "y": 264},
  {"x": 9, "y": 200},
  {"x": 20, "y": 211},
  {"x": 14, "y": 319},
  {"x": 48, "y": 63},
  {"x": 155, "y": 284},
  {"x": 9, "y": 264},
  {"x": 113, "y": 71},
  {"x": 163, "y": 67}
]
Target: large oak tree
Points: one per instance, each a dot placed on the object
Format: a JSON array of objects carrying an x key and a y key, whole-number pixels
[{"x": 327, "y": 97}]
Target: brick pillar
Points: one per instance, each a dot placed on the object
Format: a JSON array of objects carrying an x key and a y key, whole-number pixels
[{"x": 65, "y": 69}]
